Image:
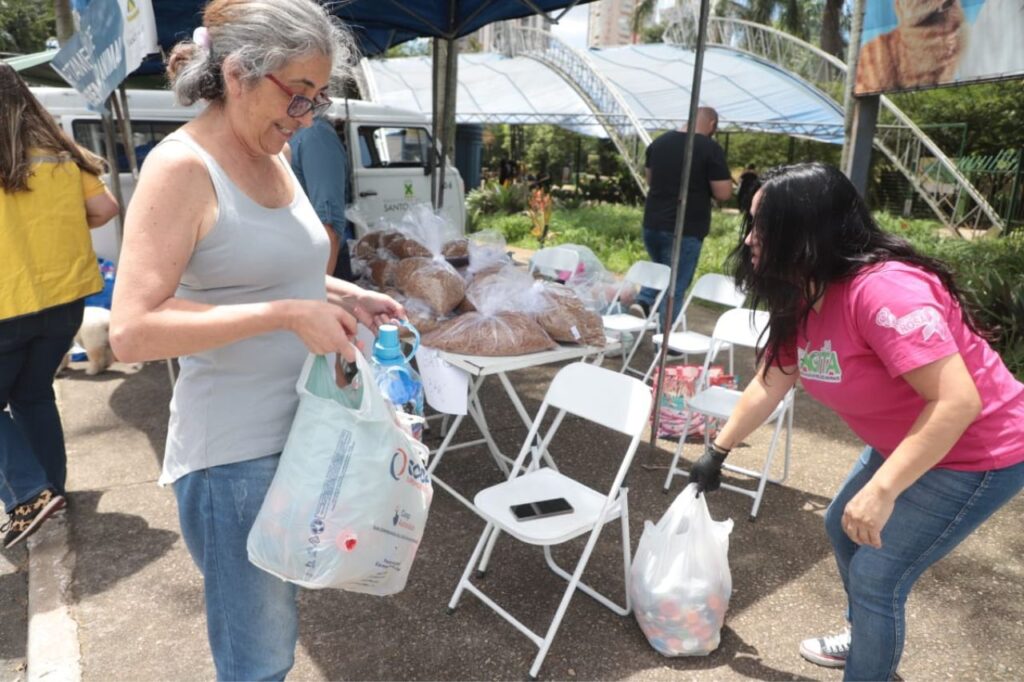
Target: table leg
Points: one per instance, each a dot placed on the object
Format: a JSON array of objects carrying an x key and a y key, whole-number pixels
[
  {"x": 476, "y": 410},
  {"x": 523, "y": 414}
]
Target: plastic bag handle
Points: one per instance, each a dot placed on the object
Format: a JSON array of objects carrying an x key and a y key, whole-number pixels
[{"x": 415, "y": 337}]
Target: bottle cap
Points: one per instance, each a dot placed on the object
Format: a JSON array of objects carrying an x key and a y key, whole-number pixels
[{"x": 387, "y": 347}]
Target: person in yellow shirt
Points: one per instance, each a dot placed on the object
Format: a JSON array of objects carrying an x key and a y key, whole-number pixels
[{"x": 51, "y": 198}]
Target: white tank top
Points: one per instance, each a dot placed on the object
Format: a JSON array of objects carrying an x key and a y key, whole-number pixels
[{"x": 236, "y": 402}]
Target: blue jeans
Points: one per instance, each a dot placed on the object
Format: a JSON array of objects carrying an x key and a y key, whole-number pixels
[
  {"x": 252, "y": 618},
  {"x": 32, "y": 455},
  {"x": 930, "y": 518},
  {"x": 659, "y": 248}
]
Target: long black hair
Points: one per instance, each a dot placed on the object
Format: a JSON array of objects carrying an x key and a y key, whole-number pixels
[{"x": 814, "y": 229}]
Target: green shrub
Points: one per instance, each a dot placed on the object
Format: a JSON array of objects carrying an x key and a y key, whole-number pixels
[
  {"x": 495, "y": 199},
  {"x": 516, "y": 229},
  {"x": 991, "y": 274}
]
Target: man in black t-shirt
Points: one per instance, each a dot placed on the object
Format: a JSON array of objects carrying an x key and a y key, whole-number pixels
[{"x": 709, "y": 177}]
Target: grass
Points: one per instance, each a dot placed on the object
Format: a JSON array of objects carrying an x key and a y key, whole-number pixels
[{"x": 613, "y": 233}]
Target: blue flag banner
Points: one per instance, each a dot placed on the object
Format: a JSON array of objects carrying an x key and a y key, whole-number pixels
[{"x": 93, "y": 60}]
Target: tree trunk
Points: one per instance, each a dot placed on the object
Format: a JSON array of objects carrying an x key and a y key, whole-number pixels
[
  {"x": 831, "y": 36},
  {"x": 65, "y": 20}
]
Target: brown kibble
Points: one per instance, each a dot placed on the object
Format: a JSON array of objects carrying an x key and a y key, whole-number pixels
[
  {"x": 382, "y": 272},
  {"x": 456, "y": 248},
  {"x": 490, "y": 335},
  {"x": 409, "y": 248},
  {"x": 568, "y": 320},
  {"x": 366, "y": 247},
  {"x": 431, "y": 280}
]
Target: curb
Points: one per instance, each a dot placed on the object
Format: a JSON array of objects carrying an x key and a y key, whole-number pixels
[
  {"x": 53, "y": 651},
  {"x": 53, "y": 648}
]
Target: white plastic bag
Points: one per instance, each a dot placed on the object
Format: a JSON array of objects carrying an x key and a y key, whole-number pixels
[
  {"x": 487, "y": 251},
  {"x": 349, "y": 501},
  {"x": 424, "y": 225},
  {"x": 680, "y": 581}
]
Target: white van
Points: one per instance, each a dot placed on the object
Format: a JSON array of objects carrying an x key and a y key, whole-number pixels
[{"x": 390, "y": 159}]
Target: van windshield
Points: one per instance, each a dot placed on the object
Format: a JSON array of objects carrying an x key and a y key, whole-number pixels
[
  {"x": 145, "y": 135},
  {"x": 393, "y": 147}
]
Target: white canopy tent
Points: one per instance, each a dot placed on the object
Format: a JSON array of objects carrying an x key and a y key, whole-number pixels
[{"x": 653, "y": 79}]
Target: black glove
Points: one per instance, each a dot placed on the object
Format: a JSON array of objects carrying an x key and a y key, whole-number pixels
[{"x": 707, "y": 471}]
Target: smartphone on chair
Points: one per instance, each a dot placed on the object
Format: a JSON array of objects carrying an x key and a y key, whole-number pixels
[{"x": 541, "y": 509}]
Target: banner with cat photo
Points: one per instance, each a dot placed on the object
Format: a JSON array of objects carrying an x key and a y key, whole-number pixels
[{"x": 914, "y": 44}]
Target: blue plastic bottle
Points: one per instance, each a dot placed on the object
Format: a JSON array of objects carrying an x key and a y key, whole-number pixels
[{"x": 395, "y": 377}]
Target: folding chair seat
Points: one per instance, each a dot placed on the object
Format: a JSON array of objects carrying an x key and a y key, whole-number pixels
[
  {"x": 737, "y": 327},
  {"x": 618, "y": 324},
  {"x": 554, "y": 261},
  {"x": 714, "y": 288},
  {"x": 604, "y": 397}
]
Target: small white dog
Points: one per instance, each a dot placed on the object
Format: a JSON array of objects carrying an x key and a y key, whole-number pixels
[{"x": 94, "y": 337}]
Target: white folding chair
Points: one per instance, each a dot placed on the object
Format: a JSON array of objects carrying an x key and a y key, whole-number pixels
[
  {"x": 714, "y": 288},
  {"x": 554, "y": 261},
  {"x": 642, "y": 274},
  {"x": 737, "y": 327},
  {"x": 599, "y": 395}
]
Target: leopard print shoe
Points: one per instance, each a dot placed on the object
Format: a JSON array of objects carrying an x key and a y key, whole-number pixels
[{"x": 26, "y": 518}]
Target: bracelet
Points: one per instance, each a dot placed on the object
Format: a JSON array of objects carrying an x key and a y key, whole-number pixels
[{"x": 719, "y": 449}]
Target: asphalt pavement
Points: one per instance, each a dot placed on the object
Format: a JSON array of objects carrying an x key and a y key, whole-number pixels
[{"x": 109, "y": 591}]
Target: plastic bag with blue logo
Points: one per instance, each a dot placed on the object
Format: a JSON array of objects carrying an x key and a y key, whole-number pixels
[
  {"x": 349, "y": 501},
  {"x": 680, "y": 581}
]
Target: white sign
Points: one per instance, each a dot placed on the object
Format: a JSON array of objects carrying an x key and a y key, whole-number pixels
[
  {"x": 139, "y": 31},
  {"x": 445, "y": 388}
]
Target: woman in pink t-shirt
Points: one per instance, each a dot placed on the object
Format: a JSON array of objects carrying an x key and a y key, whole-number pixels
[{"x": 880, "y": 334}]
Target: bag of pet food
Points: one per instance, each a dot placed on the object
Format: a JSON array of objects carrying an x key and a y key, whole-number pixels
[
  {"x": 431, "y": 280},
  {"x": 426, "y": 232},
  {"x": 488, "y": 252},
  {"x": 565, "y": 318},
  {"x": 502, "y": 323}
]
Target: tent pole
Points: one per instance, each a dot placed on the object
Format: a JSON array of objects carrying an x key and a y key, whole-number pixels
[
  {"x": 115, "y": 172},
  {"x": 125, "y": 120},
  {"x": 684, "y": 184},
  {"x": 447, "y": 113},
  {"x": 849, "y": 101},
  {"x": 435, "y": 117}
]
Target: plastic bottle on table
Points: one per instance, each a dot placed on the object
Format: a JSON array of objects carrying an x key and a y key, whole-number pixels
[{"x": 395, "y": 377}]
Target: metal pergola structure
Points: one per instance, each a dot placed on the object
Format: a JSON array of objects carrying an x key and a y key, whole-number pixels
[
  {"x": 796, "y": 129},
  {"x": 898, "y": 138}
]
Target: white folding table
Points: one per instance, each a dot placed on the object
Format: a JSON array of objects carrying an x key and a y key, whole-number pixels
[{"x": 479, "y": 368}]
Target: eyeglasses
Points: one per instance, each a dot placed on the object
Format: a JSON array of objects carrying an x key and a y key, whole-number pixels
[{"x": 300, "y": 105}]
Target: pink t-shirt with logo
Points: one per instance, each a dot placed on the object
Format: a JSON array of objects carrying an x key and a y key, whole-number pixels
[{"x": 889, "y": 319}]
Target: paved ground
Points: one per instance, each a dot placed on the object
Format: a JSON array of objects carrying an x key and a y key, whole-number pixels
[{"x": 136, "y": 597}]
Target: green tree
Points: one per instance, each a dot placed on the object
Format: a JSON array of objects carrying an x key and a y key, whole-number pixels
[
  {"x": 25, "y": 25},
  {"x": 548, "y": 148},
  {"x": 641, "y": 16},
  {"x": 789, "y": 12},
  {"x": 831, "y": 28},
  {"x": 992, "y": 112}
]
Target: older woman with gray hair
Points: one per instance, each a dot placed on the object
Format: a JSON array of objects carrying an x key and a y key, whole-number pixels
[{"x": 223, "y": 267}]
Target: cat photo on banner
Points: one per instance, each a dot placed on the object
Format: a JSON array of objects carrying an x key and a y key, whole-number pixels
[{"x": 912, "y": 44}]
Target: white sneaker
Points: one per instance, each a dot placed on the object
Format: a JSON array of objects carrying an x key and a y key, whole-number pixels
[{"x": 829, "y": 651}]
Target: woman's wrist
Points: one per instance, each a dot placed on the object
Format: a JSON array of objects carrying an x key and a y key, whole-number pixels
[
  {"x": 719, "y": 449},
  {"x": 281, "y": 314}
]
